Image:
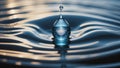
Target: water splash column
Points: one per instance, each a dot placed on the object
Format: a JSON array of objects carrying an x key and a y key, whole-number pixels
[{"x": 61, "y": 31}]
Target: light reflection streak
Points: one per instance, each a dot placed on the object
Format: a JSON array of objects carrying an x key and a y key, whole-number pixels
[
  {"x": 11, "y": 3},
  {"x": 16, "y": 44},
  {"x": 109, "y": 31},
  {"x": 102, "y": 54},
  {"x": 45, "y": 44},
  {"x": 97, "y": 48},
  {"x": 34, "y": 32},
  {"x": 24, "y": 41},
  {"x": 26, "y": 55},
  {"x": 18, "y": 63},
  {"x": 44, "y": 52},
  {"x": 35, "y": 63},
  {"x": 98, "y": 23},
  {"x": 13, "y": 11},
  {"x": 11, "y": 34},
  {"x": 83, "y": 32},
  {"x": 85, "y": 45},
  {"x": 92, "y": 16}
]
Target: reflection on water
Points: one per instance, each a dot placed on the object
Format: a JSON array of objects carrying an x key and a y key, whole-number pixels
[{"x": 26, "y": 37}]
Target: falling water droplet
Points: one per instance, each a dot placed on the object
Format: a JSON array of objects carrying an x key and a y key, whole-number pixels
[{"x": 61, "y": 7}]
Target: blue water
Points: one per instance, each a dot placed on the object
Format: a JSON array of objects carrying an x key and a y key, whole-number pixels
[{"x": 26, "y": 33}]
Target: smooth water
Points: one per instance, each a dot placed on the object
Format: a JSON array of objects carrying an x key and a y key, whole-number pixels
[{"x": 26, "y": 33}]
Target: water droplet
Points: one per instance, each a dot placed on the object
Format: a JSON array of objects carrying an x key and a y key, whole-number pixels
[{"x": 61, "y": 8}]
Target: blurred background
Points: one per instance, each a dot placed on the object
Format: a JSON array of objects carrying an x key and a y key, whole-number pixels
[{"x": 26, "y": 33}]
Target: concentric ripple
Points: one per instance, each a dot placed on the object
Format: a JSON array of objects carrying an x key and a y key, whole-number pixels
[{"x": 26, "y": 33}]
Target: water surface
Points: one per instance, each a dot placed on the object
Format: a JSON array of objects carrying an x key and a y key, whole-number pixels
[{"x": 26, "y": 33}]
